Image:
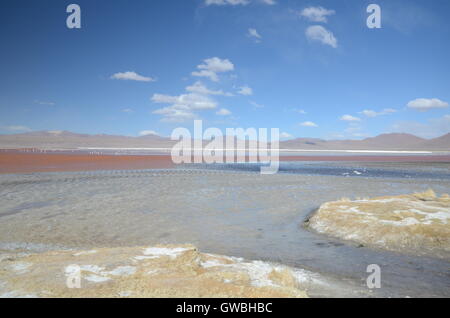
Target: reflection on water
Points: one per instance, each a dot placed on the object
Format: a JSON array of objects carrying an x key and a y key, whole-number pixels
[{"x": 224, "y": 212}]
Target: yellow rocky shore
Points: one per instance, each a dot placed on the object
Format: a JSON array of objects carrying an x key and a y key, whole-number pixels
[
  {"x": 416, "y": 223},
  {"x": 159, "y": 271}
]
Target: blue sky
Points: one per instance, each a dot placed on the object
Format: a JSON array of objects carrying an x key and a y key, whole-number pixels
[{"x": 310, "y": 68}]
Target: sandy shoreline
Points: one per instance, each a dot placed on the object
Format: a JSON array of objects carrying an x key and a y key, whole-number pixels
[
  {"x": 156, "y": 271},
  {"x": 14, "y": 161},
  {"x": 416, "y": 223}
]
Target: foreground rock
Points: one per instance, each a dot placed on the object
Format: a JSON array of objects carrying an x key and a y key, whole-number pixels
[
  {"x": 417, "y": 223},
  {"x": 161, "y": 271}
]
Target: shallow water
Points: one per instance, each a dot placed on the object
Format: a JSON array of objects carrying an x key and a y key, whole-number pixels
[
  {"x": 238, "y": 213},
  {"x": 347, "y": 169}
]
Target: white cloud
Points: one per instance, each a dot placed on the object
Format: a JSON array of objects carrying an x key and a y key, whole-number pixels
[
  {"x": 252, "y": 33},
  {"x": 309, "y": 124},
  {"x": 223, "y": 112},
  {"x": 285, "y": 135},
  {"x": 316, "y": 14},
  {"x": 127, "y": 110},
  {"x": 182, "y": 107},
  {"x": 226, "y": 2},
  {"x": 372, "y": 113},
  {"x": 369, "y": 113},
  {"x": 433, "y": 128},
  {"x": 205, "y": 73},
  {"x": 236, "y": 2},
  {"x": 46, "y": 103},
  {"x": 256, "y": 105},
  {"x": 172, "y": 114},
  {"x": 269, "y": 2},
  {"x": 201, "y": 89},
  {"x": 349, "y": 118},
  {"x": 353, "y": 128},
  {"x": 186, "y": 101},
  {"x": 245, "y": 90},
  {"x": 388, "y": 111},
  {"x": 132, "y": 76},
  {"x": 16, "y": 128},
  {"x": 186, "y": 106},
  {"x": 322, "y": 35},
  {"x": 300, "y": 111},
  {"x": 212, "y": 66},
  {"x": 148, "y": 132},
  {"x": 216, "y": 64},
  {"x": 425, "y": 104}
]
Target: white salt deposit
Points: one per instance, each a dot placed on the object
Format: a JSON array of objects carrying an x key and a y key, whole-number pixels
[
  {"x": 96, "y": 278},
  {"x": 164, "y": 251},
  {"x": 21, "y": 268},
  {"x": 123, "y": 271},
  {"x": 85, "y": 253}
]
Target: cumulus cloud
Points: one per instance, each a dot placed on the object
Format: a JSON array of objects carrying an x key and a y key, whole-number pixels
[
  {"x": 322, "y": 35},
  {"x": 132, "y": 76},
  {"x": 349, "y": 118},
  {"x": 256, "y": 105},
  {"x": 236, "y": 2},
  {"x": 223, "y": 112},
  {"x": 369, "y": 113},
  {"x": 309, "y": 124},
  {"x": 172, "y": 114},
  {"x": 253, "y": 33},
  {"x": 182, "y": 107},
  {"x": 425, "y": 104},
  {"x": 245, "y": 90},
  {"x": 46, "y": 103},
  {"x": 148, "y": 133},
  {"x": 199, "y": 88},
  {"x": 316, "y": 14},
  {"x": 197, "y": 98},
  {"x": 353, "y": 127},
  {"x": 372, "y": 113},
  {"x": 298, "y": 110},
  {"x": 285, "y": 135},
  {"x": 212, "y": 66},
  {"x": 227, "y": 2},
  {"x": 186, "y": 101}
]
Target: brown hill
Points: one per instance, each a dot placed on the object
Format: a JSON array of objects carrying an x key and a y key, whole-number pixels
[
  {"x": 70, "y": 140},
  {"x": 394, "y": 141},
  {"x": 442, "y": 143}
]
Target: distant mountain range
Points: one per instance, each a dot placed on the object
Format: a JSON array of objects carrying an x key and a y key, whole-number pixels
[
  {"x": 70, "y": 140},
  {"x": 393, "y": 141}
]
